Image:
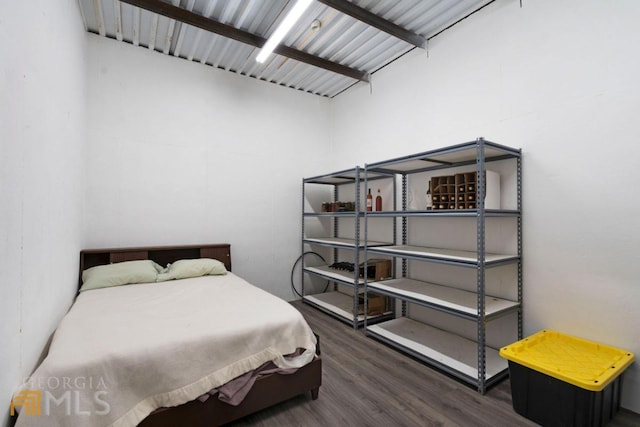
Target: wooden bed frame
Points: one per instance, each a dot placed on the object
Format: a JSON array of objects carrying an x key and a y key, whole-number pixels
[{"x": 267, "y": 391}]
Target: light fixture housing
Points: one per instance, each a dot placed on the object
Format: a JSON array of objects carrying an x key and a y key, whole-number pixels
[{"x": 289, "y": 21}]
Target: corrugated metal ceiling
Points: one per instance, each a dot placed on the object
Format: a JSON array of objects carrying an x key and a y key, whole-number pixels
[{"x": 340, "y": 38}]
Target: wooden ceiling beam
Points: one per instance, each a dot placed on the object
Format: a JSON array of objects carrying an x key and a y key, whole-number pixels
[
  {"x": 363, "y": 15},
  {"x": 213, "y": 26}
]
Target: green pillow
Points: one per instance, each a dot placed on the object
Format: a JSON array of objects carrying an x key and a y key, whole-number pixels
[
  {"x": 185, "y": 268},
  {"x": 120, "y": 273}
]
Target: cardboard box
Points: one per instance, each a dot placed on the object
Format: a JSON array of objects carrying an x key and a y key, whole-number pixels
[
  {"x": 377, "y": 304},
  {"x": 377, "y": 269}
]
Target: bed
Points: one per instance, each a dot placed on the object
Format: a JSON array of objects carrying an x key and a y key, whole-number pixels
[{"x": 151, "y": 352}]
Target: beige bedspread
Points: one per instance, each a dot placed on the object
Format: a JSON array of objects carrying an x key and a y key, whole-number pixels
[{"x": 122, "y": 352}]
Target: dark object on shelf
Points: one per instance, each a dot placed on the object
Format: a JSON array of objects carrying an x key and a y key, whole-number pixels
[
  {"x": 346, "y": 266},
  {"x": 379, "y": 202},
  {"x": 559, "y": 380},
  {"x": 377, "y": 269},
  {"x": 338, "y": 206}
]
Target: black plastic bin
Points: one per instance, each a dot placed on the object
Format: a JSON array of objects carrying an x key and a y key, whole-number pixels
[{"x": 562, "y": 381}]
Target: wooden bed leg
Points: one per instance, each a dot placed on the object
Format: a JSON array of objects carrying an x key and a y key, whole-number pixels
[{"x": 314, "y": 393}]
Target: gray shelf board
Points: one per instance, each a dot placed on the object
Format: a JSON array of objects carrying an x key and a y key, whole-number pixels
[
  {"x": 335, "y": 178},
  {"x": 330, "y": 180},
  {"x": 454, "y": 351},
  {"x": 445, "y": 297},
  {"x": 445, "y": 255},
  {"x": 374, "y": 176},
  {"x": 446, "y": 212},
  {"x": 348, "y": 176},
  {"x": 339, "y": 304},
  {"x": 336, "y": 302},
  {"x": 333, "y": 214},
  {"x": 341, "y": 242},
  {"x": 455, "y": 155},
  {"x": 326, "y": 272}
]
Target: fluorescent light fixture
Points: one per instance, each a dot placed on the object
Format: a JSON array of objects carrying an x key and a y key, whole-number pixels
[{"x": 292, "y": 17}]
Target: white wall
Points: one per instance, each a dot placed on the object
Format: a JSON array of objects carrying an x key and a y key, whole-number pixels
[
  {"x": 181, "y": 153},
  {"x": 560, "y": 80},
  {"x": 42, "y": 130}
]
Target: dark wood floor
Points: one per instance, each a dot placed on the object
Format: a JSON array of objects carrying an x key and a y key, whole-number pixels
[{"x": 366, "y": 383}]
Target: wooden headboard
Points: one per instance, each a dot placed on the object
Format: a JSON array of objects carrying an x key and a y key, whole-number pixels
[{"x": 163, "y": 255}]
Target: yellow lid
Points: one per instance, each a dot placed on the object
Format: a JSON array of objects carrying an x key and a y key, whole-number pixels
[{"x": 586, "y": 364}]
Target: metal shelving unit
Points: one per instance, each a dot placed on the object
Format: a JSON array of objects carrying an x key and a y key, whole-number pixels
[
  {"x": 470, "y": 360},
  {"x": 341, "y": 305}
]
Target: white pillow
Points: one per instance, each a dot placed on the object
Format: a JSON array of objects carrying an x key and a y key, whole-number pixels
[
  {"x": 119, "y": 273},
  {"x": 185, "y": 268}
]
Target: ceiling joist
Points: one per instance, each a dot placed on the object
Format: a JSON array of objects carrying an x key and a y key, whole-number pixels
[
  {"x": 374, "y": 20},
  {"x": 213, "y": 26}
]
